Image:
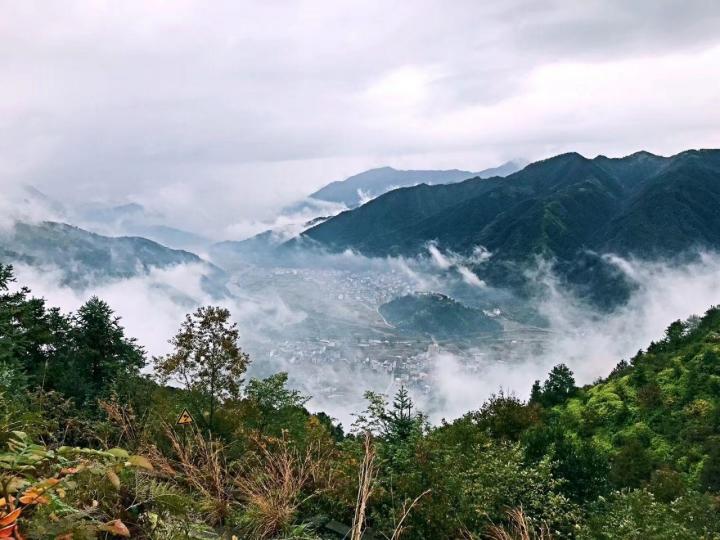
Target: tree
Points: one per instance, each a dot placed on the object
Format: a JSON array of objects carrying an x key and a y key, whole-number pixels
[
  {"x": 675, "y": 332},
  {"x": 558, "y": 388},
  {"x": 98, "y": 354},
  {"x": 535, "y": 392},
  {"x": 29, "y": 332},
  {"x": 504, "y": 416},
  {"x": 394, "y": 422},
  {"x": 207, "y": 358},
  {"x": 272, "y": 393},
  {"x": 710, "y": 472}
]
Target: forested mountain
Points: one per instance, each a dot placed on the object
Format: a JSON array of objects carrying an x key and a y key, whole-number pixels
[
  {"x": 438, "y": 316},
  {"x": 567, "y": 208},
  {"x": 85, "y": 257},
  {"x": 354, "y": 190}
]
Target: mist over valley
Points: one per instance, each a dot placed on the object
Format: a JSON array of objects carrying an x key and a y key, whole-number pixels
[{"x": 425, "y": 305}]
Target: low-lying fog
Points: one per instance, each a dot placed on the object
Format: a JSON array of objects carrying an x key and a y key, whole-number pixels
[{"x": 318, "y": 320}]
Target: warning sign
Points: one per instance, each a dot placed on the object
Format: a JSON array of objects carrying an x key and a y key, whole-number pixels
[{"x": 185, "y": 418}]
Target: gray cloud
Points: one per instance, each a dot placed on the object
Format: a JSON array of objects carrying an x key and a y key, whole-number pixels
[{"x": 218, "y": 113}]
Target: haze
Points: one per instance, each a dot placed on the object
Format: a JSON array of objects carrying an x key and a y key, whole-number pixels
[{"x": 217, "y": 114}]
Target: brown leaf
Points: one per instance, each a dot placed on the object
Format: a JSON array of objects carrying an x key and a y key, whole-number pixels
[{"x": 115, "y": 527}]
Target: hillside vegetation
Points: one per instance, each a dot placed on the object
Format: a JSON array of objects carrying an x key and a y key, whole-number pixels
[
  {"x": 91, "y": 448},
  {"x": 567, "y": 209},
  {"x": 437, "y": 315}
]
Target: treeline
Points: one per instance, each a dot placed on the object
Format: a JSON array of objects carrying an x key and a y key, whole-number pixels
[{"x": 92, "y": 449}]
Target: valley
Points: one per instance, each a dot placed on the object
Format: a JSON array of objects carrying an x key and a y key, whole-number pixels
[{"x": 343, "y": 307}]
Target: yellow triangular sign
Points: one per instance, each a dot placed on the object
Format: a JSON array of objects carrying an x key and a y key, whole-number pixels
[{"x": 184, "y": 419}]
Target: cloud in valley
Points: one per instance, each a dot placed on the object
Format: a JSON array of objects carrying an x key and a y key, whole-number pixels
[{"x": 590, "y": 342}]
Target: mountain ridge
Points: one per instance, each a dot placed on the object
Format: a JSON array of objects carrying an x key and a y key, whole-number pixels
[
  {"x": 369, "y": 184},
  {"x": 561, "y": 208}
]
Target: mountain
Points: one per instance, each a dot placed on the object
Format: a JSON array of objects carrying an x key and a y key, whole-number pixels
[
  {"x": 258, "y": 248},
  {"x": 567, "y": 209},
  {"x": 134, "y": 220},
  {"x": 168, "y": 236},
  {"x": 113, "y": 214},
  {"x": 367, "y": 185},
  {"x": 436, "y": 315},
  {"x": 84, "y": 257}
]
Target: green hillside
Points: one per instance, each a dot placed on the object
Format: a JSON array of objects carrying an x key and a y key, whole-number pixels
[
  {"x": 437, "y": 315},
  {"x": 567, "y": 209},
  {"x": 92, "y": 449}
]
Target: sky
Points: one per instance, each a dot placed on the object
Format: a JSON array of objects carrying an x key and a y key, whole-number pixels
[{"x": 215, "y": 114}]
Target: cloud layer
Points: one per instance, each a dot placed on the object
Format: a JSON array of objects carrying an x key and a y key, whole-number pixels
[{"x": 217, "y": 113}]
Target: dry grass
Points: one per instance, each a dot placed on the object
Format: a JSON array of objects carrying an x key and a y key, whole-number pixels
[
  {"x": 203, "y": 467},
  {"x": 276, "y": 480},
  {"x": 519, "y": 528},
  {"x": 407, "y": 508},
  {"x": 366, "y": 479},
  {"x": 125, "y": 419}
]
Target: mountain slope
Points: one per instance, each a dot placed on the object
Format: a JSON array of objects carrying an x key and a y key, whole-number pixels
[
  {"x": 564, "y": 208},
  {"x": 657, "y": 417},
  {"x": 356, "y": 189},
  {"x": 84, "y": 257}
]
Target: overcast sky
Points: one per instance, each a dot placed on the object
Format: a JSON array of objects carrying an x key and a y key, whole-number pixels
[{"x": 215, "y": 113}]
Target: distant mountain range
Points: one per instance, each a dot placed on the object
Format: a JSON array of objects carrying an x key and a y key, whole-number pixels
[
  {"x": 130, "y": 219},
  {"x": 133, "y": 219},
  {"x": 367, "y": 185},
  {"x": 567, "y": 209},
  {"x": 84, "y": 257}
]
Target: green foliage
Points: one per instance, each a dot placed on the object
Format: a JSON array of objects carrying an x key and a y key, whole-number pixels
[
  {"x": 396, "y": 422},
  {"x": 207, "y": 358},
  {"x": 505, "y": 417},
  {"x": 272, "y": 393},
  {"x": 99, "y": 356},
  {"x": 557, "y": 389},
  {"x": 91, "y": 450},
  {"x": 638, "y": 515}
]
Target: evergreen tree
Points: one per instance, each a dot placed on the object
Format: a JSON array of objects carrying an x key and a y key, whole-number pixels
[
  {"x": 401, "y": 420},
  {"x": 27, "y": 330},
  {"x": 99, "y": 354},
  {"x": 536, "y": 392},
  {"x": 559, "y": 386},
  {"x": 394, "y": 422}
]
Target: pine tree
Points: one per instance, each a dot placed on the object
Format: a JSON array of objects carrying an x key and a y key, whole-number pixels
[
  {"x": 98, "y": 354},
  {"x": 401, "y": 421}
]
